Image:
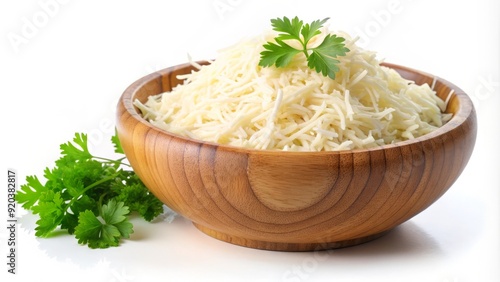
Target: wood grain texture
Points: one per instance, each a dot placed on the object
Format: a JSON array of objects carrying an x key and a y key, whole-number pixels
[{"x": 295, "y": 201}]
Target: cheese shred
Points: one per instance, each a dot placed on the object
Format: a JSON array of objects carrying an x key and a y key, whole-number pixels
[{"x": 234, "y": 101}]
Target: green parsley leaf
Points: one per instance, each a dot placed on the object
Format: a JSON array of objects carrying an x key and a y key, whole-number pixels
[
  {"x": 321, "y": 58},
  {"x": 30, "y": 192},
  {"x": 280, "y": 54},
  {"x": 70, "y": 219},
  {"x": 82, "y": 153},
  {"x": 289, "y": 29},
  {"x": 51, "y": 210},
  {"x": 311, "y": 30},
  {"x": 116, "y": 142},
  {"x": 106, "y": 229}
]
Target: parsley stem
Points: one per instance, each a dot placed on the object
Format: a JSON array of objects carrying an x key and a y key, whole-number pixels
[
  {"x": 305, "y": 50},
  {"x": 99, "y": 205},
  {"x": 90, "y": 187}
]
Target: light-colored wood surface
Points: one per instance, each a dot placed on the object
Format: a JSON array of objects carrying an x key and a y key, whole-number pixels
[{"x": 295, "y": 201}]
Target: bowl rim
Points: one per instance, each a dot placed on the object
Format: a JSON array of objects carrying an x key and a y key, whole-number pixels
[{"x": 465, "y": 111}]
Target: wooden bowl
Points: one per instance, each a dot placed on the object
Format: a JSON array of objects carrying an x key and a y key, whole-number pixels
[{"x": 295, "y": 201}]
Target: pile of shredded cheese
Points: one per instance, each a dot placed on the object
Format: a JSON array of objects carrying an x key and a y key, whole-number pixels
[{"x": 234, "y": 101}]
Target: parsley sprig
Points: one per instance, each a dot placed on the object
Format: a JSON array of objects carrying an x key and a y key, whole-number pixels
[
  {"x": 89, "y": 196},
  {"x": 321, "y": 58}
]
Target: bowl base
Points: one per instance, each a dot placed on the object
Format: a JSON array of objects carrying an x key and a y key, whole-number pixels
[{"x": 288, "y": 247}]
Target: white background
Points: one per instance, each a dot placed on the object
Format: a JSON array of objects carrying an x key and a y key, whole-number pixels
[{"x": 64, "y": 66}]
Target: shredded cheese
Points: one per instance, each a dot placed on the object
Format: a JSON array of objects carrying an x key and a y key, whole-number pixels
[{"x": 236, "y": 102}]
